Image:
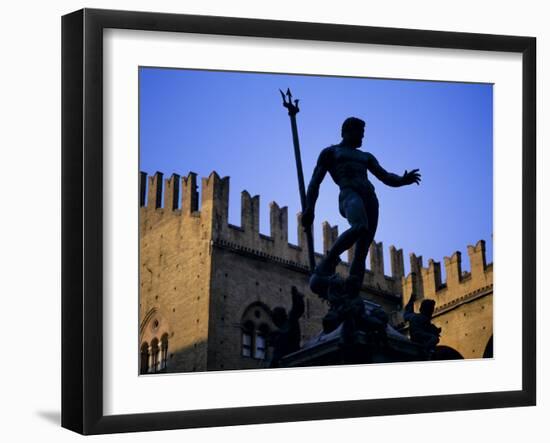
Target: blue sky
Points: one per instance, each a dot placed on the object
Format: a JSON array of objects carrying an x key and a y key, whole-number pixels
[{"x": 234, "y": 123}]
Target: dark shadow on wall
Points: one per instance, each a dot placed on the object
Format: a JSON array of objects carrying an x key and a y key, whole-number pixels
[
  {"x": 192, "y": 359},
  {"x": 188, "y": 359},
  {"x": 446, "y": 353},
  {"x": 488, "y": 353}
]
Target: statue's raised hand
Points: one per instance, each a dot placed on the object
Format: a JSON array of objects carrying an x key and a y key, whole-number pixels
[{"x": 411, "y": 177}]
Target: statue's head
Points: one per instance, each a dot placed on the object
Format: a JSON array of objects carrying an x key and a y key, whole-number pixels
[
  {"x": 427, "y": 307},
  {"x": 279, "y": 316},
  {"x": 353, "y": 131}
]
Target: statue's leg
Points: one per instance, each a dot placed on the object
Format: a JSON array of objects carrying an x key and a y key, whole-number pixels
[
  {"x": 357, "y": 267},
  {"x": 356, "y": 214}
]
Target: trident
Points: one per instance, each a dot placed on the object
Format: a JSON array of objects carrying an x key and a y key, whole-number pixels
[{"x": 292, "y": 111}]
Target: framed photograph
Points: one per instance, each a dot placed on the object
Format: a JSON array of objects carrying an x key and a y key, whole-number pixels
[{"x": 268, "y": 221}]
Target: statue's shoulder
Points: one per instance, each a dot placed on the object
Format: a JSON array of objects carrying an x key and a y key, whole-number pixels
[
  {"x": 369, "y": 156},
  {"x": 326, "y": 155},
  {"x": 329, "y": 149}
]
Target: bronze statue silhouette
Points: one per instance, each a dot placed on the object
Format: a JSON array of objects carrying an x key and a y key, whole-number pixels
[
  {"x": 286, "y": 339},
  {"x": 348, "y": 166},
  {"x": 421, "y": 328}
]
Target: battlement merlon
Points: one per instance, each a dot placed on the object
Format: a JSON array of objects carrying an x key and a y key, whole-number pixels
[
  {"x": 376, "y": 252},
  {"x": 330, "y": 234},
  {"x": 155, "y": 191},
  {"x": 416, "y": 275},
  {"x": 478, "y": 263},
  {"x": 171, "y": 192},
  {"x": 453, "y": 269},
  {"x": 397, "y": 263},
  {"x": 189, "y": 194},
  {"x": 278, "y": 223},
  {"x": 302, "y": 236},
  {"x": 250, "y": 213},
  {"x": 431, "y": 278},
  {"x": 407, "y": 284},
  {"x": 215, "y": 200}
]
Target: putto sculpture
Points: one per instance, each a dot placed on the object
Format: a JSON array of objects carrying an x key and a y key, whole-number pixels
[
  {"x": 286, "y": 338},
  {"x": 421, "y": 328}
]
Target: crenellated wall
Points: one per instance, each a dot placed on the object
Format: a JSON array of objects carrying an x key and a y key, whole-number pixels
[
  {"x": 214, "y": 208},
  {"x": 198, "y": 272},
  {"x": 427, "y": 283}
]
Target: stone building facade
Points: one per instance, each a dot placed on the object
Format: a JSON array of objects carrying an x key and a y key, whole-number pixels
[{"x": 207, "y": 287}]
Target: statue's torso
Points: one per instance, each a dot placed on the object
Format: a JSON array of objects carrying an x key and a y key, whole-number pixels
[{"x": 348, "y": 169}]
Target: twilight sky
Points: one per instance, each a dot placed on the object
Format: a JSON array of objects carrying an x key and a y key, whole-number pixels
[{"x": 234, "y": 123}]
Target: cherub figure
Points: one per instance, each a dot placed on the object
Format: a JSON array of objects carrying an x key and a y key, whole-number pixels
[
  {"x": 286, "y": 339},
  {"x": 421, "y": 328}
]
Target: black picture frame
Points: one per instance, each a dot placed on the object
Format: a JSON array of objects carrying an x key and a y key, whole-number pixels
[{"x": 82, "y": 215}]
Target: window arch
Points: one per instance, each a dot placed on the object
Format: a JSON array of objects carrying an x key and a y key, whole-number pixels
[
  {"x": 256, "y": 325},
  {"x": 154, "y": 337}
]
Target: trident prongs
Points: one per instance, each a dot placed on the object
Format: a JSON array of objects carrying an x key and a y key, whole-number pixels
[{"x": 287, "y": 102}]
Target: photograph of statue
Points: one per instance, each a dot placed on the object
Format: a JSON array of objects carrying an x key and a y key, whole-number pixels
[{"x": 228, "y": 283}]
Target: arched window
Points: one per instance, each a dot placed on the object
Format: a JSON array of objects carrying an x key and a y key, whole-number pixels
[
  {"x": 255, "y": 326},
  {"x": 144, "y": 358},
  {"x": 153, "y": 353}
]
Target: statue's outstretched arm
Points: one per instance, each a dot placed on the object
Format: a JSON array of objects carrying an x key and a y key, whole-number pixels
[{"x": 389, "y": 178}]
